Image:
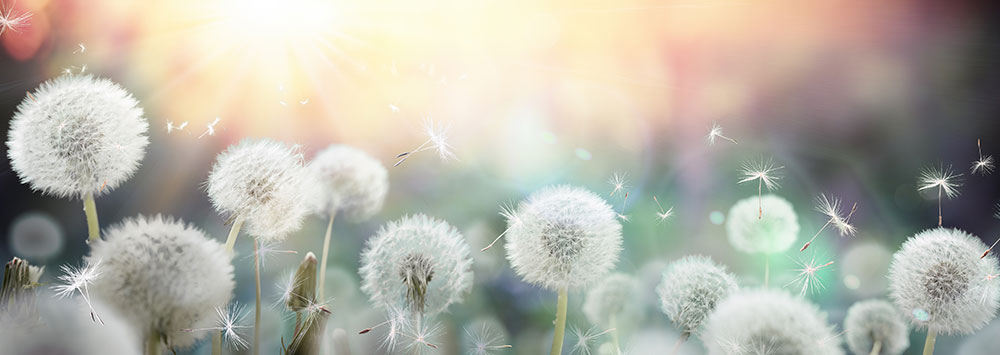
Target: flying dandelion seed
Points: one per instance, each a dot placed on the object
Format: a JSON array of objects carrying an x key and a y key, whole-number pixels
[
  {"x": 716, "y": 132},
  {"x": 171, "y": 127},
  {"x": 267, "y": 251},
  {"x": 944, "y": 179},
  {"x": 81, "y": 48},
  {"x": 622, "y": 215},
  {"x": 210, "y": 128},
  {"x": 663, "y": 215},
  {"x": 11, "y": 20},
  {"x": 807, "y": 277},
  {"x": 618, "y": 183},
  {"x": 304, "y": 101},
  {"x": 78, "y": 279},
  {"x": 508, "y": 212},
  {"x": 437, "y": 139},
  {"x": 422, "y": 337},
  {"x": 393, "y": 108},
  {"x": 765, "y": 172},
  {"x": 831, "y": 208},
  {"x": 231, "y": 322},
  {"x": 396, "y": 321},
  {"x": 485, "y": 340},
  {"x": 286, "y": 289},
  {"x": 585, "y": 339},
  {"x": 984, "y": 165}
]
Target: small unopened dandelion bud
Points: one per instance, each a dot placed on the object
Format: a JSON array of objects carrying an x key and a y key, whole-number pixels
[
  {"x": 563, "y": 236},
  {"x": 351, "y": 182},
  {"x": 939, "y": 281},
  {"x": 417, "y": 263},
  {"x": 772, "y": 232},
  {"x": 264, "y": 182},
  {"x": 614, "y": 302},
  {"x": 690, "y": 290},
  {"x": 303, "y": 291},
  {"x": 874, "y": 322},
  {"x": 164, "y": 276},
  {"x": 769, "y": 321},
  {"x": 308, "y": 340},
  {"x": 77, "y": 135},
  {"x": 19, "y": 282},
  {"x": 57, "y": 327}
]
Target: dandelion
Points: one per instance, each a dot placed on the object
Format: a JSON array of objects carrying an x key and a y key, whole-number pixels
[
  {"x": 508, "y": 212},
  {"x": 484, "y": 340},
  {"x": 689, "y": 291},
  {"x": 716, "y": 132},
  {"x": 308, "y": 339},
  {"x": 807, "y": 277},
  {"x": 985, "y": 163},
  {"x": 765, "y": 172},
  {"x": 171, "y": 127},
  {"x": 831, "y": 208},
  {"x": 622, "y": 215},
  {"x": 437, "y": 139},
  {"x": 77, "y": 136},
  {"x": 944, "y": 179},
  {"x": 352, "y": 184},
  {"x": 564, "y": 237},
  {"x": 56, "y": 328},
  {"x": 586, "y": 338},
  {"x": 938, "y": 272},
  {"x": 875, "y": 327},
  {"x": 613, "y": 302},
  {"x": 421, "y": 338},
  {"x": 231, "y": 321},
  {"x": 618, "y": 183},
  {"x": 404, "y": 266},
  {"x": 267, "y": 251},
  {"x": 768, "y": 321},
  {"x": 163, "y": 276},
  {"x": 10, "y": 20},
  {"x": 78, "y": 279},
  {"x": 662, "y": 215},
  {"x": 210, "y": 128},
  {"x": 768, "y": 235}
]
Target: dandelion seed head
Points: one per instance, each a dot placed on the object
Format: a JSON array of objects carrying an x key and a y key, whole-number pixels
[
  {"x": 774, "y": 232},
  {"x": 941, "y": 177},
  {"x": 266, "y": 183},
  {"x": 615, "y": 297},
  {"x": 77, "y": 135},
  {"x": 690, "y": 290},
  {"x": 763, "y": 171},
  {"x": 418, "y": 263},
  {"x": 876, "y": 320},
  {"x": 352, "y": 183},
  {"x": 940, "y": 272},
  {"x": 769, "y": 321},
  {"x": 56, "y": 327},
  {"x": 567, "y": 237},
  {"x": 163, "y": 275}
]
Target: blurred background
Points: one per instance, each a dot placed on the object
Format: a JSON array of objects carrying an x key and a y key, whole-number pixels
[{"x": 853, "y": 98}]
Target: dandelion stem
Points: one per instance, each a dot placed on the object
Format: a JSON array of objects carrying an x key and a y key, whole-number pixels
[
  {"x": 256, "y": 318},
  {"x": 760, "y": 202},
  {"x": 557, "y": 338},
  {"x": 877, "y": 348},
  {"x": 816, "y": 235},
  {"x": 153, "y": 343},
  {"x": 233, "y": 232},
  {"x": 939, "y": 204},
  {"x": 767, "y": 270},
  {"x": 217, "y": 343},
  {"x": 614, "y": 335},
  {"x": 680, "y": 341},
  {"x": 326, "y": 253},
  {"x": 90, "y": 209},
  {"x": 929, "y": 343}
]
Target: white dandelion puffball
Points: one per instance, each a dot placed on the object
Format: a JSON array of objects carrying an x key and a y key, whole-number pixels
[
  {"x": 985, "y": 342},
  {"x": 690, "y": 290},
  {"x": 771, "y": 233},
  {"x": 614, "y": 301},
  {"x": 59, "y": 327},
  {"x": 563, "y": 236},
  {"x": 417, "y": 263},
  {"x": 36, "y": 236},
  {"x": 876, "y": 320},
  {"x": 75, "y": 135},
  {"x": 939, "y": 281},
  {"x": 769, "y": 321},
  {"x": 352, "y": 183},
  {"x": 265, "y": 182},
  {"x": 163, "y": 276}
]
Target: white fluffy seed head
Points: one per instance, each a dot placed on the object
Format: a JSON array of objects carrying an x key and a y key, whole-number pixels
[
  {"x": 58, "y": 327},
  {"x": 876, "y": 320},
  {"x": 939, "y": 281},
  {"x": 563, "y": 236},
  {"x": 690, "y": 290},
  {"x": 351, "y": 182},
  {"x": 771, "y": 233},
  {"x": 771, "y": 322},
  {"x": 163, "y": 276},
  {"x": 266, "y": 183},
  {"x": 420, "y": 264},
  {"x": 614, "y": 302},
  {"x": 75, "y": 135}
]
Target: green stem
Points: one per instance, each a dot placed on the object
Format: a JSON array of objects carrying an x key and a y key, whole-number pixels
[
  {"x": 233, "y": 232},
  {"x": 90, "y": 209},
  {"x": 153, "y": 343},
  {"x": 557, "y": 338},
  {"x": 614, "y": 335},
  {"x": 256, "y": 319},
  {"x": 767, "y": 270},
  {"x": 929, "y": 343},
  {"x": 217, "y": 343},
  {"x": 322, "y": 265},
  {"x": 877, "y": 348}
]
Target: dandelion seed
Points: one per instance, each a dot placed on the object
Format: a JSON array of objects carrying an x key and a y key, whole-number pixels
[
  {"x": 11, "y": 20},
  {"x": 585, "y": 339},
  {"x": 485, "y": 341},
  {"x": 81, "y": 48},
  {"x": 984, "y": 165},
  {"x": 267, "y": 250},
  {"x": 807, "y": 277},
  {"x": 231, "y": 321},
  {"x": 393, "y": 108},
  {"x": 622, "y": 215},
  {"x": 831, "y": 208},
  {"x": 618, "y": 182},
  {"x": 765, "y": 172},
  {"x": 437, "y": 139},
  {"x": 944, "y": 179},
  {"x": 304, "y": 101},
  {"x": 171, "y": 127},
  {"x": 716, "y": 132},
  {"x": 210, "y": 128},
  {"x": 508, "y": 212},
  {"x": 422, "y": 337},
  {"x": 78, "y": 280},
  {"x": 286, "y": 289},
  {"x": 663, "y": 215}
]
